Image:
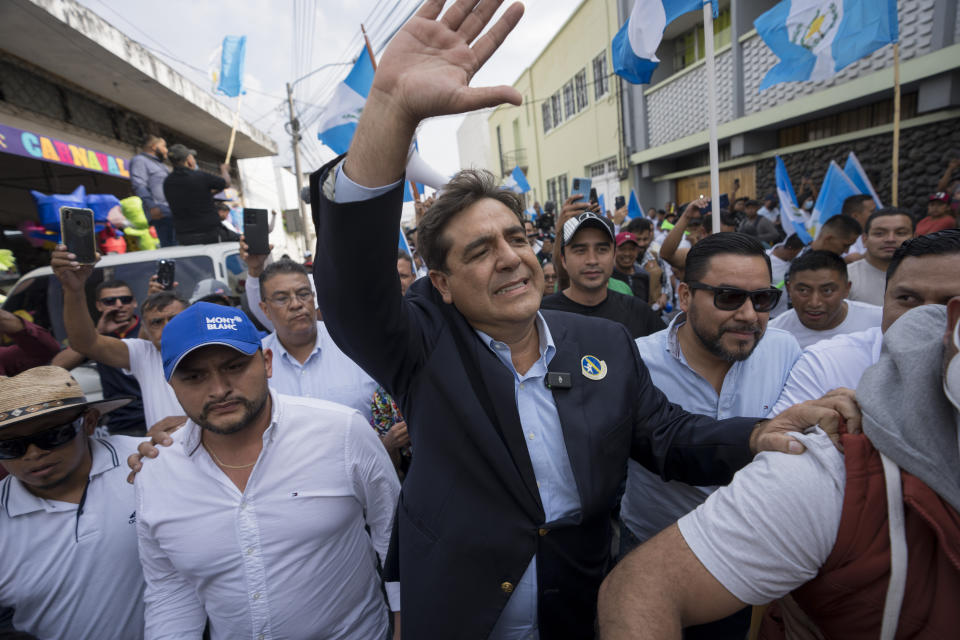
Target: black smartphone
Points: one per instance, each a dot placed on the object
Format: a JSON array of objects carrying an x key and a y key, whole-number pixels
[
  {"x": 619, "y": 202},
  {"x": 256, "y": 231},
  {"x": 593, "y": 195},
  {"x": 79, "y": 234},
  {"x": 166, "y": 272}
]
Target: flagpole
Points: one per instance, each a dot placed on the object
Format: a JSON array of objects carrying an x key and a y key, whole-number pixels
[
  {"x": 895, "y": 181},
  {"x": 711, "y": 68},
  {"x": 233, "y": 132}
]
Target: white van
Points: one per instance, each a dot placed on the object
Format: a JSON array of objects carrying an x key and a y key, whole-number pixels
[{"x": 39, "y": 292}]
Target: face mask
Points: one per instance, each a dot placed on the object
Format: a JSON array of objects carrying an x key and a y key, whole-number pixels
[
  {"x": 808, "y": 205},
  {"x": 951, "y": 380}
]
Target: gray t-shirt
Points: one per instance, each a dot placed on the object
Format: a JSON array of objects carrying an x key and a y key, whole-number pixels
[
  {"x": 866, "y": 282},
  {"x": 772, "y": 528}
]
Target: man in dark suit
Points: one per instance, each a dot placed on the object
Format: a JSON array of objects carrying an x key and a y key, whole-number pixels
[{"x": 521, "y": 421}]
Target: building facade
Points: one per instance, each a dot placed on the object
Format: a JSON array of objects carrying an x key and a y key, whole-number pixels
[
  {"x": 569, "y": 124},
  {"x": 807, "y": 123},
  {"x": 77, "y": 98}
]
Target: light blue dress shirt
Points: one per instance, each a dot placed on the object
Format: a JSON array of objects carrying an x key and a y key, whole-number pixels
[
  {"x": 750, "y": 388},
  {"x": 328, "y": 374},
  {"x": 551, "y": 466}
]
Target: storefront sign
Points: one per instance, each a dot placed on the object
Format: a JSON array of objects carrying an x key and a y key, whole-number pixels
[{"x": 33, "y": 145}]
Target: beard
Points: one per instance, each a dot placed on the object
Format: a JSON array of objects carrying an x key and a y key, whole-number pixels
[
  {"x": 712, "y": 339},
  {"x": 251, "y": 409}
]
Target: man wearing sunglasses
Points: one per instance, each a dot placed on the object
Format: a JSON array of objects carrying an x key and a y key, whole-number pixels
[
  {"x": 717, "y": 358},
  {"x": 68, "y": 540}
]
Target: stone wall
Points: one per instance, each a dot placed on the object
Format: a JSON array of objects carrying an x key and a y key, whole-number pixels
[{"x": 924, "y": 153}]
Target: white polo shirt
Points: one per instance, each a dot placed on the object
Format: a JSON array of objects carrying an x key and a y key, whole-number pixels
[
  {"x": 146, "y": 365},
  {"x": 328, "y": 374},
  {"x": 74, "y": 575},
  {"x": 286, "y": 558}
]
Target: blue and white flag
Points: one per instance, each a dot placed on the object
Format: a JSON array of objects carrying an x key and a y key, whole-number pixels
[
  {"x": 635, "y": 45},
  {"x": 516, "y": 181},
  {"x": 836, "y": 188},
  {"x": 340, "y": 118},
  {"x": 408, "y": 194},
  {"x": 858, "y": 176},
  {"x": 232, "y": 54},
  {"x": 405, "y": 247},
  {"x": 792, "y": 216},
  {"x": 634, "y": 210},
  {"x": 815, "y": 39},
  {"x": 602, "y": 203}
]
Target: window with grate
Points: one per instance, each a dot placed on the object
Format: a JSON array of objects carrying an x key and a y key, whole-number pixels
[
  {"x": 90, "y": 115},
  {"x": 29, "y": 91},
  {"x": 547, "y": 119},
  {"x": 569, "y": 106},
  {"x": 557, "y": 107},
  {"x": 552, "y": 191},
  {"x": 601, "y": 83},
  {"x": 580, "y": 81},
  {"x": 563, "y": 192}
]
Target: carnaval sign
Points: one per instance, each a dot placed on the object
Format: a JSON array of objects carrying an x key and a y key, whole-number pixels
[{"x": 32, "y": 145}]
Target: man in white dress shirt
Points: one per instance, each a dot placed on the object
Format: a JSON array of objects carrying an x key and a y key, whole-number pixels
[
  {"x": 255, "y": 518},
  {"x": 306, "y": 361}
]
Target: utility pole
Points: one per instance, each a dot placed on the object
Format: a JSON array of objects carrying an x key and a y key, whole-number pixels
[
  {"x": 295, "y": 137},
  {"x": 295, "y": 140}
]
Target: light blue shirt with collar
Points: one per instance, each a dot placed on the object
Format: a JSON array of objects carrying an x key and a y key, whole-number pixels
[
  {"x": 750, "y": 388},
  {"x": 551, "y": 466},
  {"x": 327, "y": 374}
]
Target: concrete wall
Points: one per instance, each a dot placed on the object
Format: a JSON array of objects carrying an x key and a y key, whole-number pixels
[{"x": 590, "y": 136}]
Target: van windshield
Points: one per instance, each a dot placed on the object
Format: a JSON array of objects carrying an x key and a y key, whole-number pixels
[{"x": 42, "y": 297}]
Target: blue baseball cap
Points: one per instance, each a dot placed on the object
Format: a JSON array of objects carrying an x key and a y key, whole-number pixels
[{"x": 203, "y": 324}]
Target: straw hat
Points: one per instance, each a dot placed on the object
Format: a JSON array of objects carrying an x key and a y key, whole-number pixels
[{"x": 44, "y": 390}]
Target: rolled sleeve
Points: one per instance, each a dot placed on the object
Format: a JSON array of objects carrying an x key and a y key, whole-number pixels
[{"x": 774, "y": 526}]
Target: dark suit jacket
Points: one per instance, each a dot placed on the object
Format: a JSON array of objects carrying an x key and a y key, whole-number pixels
[{"x": 469, "y": 519}]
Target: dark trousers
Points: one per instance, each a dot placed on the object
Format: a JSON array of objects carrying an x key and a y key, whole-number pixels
[
  {"x": 734, "y": 627},
  {"x": 202, "y": 237},
  {"x": 165, "y": 233}
]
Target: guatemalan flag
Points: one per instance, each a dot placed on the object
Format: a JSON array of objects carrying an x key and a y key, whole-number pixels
[
  {"x": 516, "y": 181},
  {"x": 858, "y": 176},
  {"x": 233, "y": 52},
  {"x": 342, "y": 113},
  {"x": 836, "y": 188},
  {"x": 793, "y": 219},
  {"x": 814, "y": 39},
  {"x": 635, "y": 45}
]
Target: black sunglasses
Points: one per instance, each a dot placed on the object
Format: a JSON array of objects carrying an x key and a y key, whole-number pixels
[
  {"x": 47, "y": 440},
  {"x": 109, "y": 301},
  {"x": 732, "y": 298}
]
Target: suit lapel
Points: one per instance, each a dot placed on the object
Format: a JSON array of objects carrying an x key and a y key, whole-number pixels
[{"x": 497, "y": 381}]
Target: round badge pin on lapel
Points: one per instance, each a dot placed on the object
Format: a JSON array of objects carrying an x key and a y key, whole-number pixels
[{"x": 593, "y": 367}]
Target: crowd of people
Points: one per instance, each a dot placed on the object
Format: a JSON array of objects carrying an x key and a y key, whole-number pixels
[{"x": 579, "y": 425}]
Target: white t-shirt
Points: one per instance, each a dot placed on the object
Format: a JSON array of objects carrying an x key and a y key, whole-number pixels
[
  {"x": 860, "y": 316},
  {"x": 146, "y": 365},
  {"x": 828, "y": 365},
  {"x": 772, "y": 528},
  {"x": 867, "y": 282},
  {"x": 857, "y": 247}
]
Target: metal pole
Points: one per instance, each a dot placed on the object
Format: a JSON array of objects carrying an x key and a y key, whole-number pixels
[
  {"x": 895, "y": 178},
  {"x": 711, "y": 67},
  {"x": 295, "y": 135}
]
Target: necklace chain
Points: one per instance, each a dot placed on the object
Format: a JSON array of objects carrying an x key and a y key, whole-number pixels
[{"x": 224, "y": 464}]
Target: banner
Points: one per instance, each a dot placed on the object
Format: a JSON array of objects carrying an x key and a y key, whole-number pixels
[{"x": 20, "y": 142}]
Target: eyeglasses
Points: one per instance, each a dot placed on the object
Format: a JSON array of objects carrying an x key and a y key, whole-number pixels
[
  {"x": 47, "y": 440},
  {"x": 732, "y": 298},
  {"x": 109, "y": 301},
  {"x": 283, "y": 299}
]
